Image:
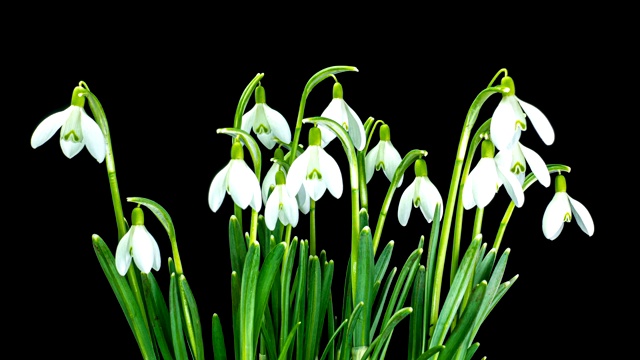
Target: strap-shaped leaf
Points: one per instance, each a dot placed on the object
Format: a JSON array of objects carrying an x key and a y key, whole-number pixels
[
  {"x": 300, "y": 296},
  {"x": 237, "y": 246},
  {"x": 345, "y": 347},
  {"x": 125, "y": 297},
  {"x": 219, "y": 349},
  {"x": 192, "y": 318},
  {"x": 248, "y": 302},
  {"x": 387, "y": 331},
  {"x": 407, "y": 272},
  {"x": 314, "y": 289},
  {"x": 285, "y": 347},
  {"x": 381, "y": 301},
  {"x": 285, "y": 289},
  {"x": 329, "y": 345},
  {"x": 364, "y": 287},
  {"x": 175, "y": 311},
  {"x": 158, "y": 315},
  {"x": 416, "y": 320},
  {"x": 266, "y": 279}
]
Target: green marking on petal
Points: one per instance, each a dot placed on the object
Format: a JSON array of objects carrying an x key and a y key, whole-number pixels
[
  {"x": 72, "y": 136},
  {"x": 567, "y": 217},
  {"x": 521, "y": 124},
  {"x": 262, "y": 129},
  {"x": 416, "y": 202},
  {"x": 379, "y": 166},
  {"x": 314, "y": 174},
  {"x": 517, "y": 168}
]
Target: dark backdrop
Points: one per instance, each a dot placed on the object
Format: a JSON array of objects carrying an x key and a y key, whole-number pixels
[{"x": 165, "y": 94}]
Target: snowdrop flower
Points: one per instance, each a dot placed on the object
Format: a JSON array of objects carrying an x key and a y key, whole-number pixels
[
  {"x": 486, "y": 178},
  {"x": 280, "y": 205},
  {"x": 383, "y": 156},
  {"x": 421, "y": 193},
  {"x": 267, "y": 123},
  {"x": 78, "y": 130},
  {"x": 238, "y": 180},
  {"x": 561, "y": 209},
  {"x": 269, "y": 182},
  {"x": 138, "y": 244},
  {"x": 315, "y": 169},
  {"x": 516, "y": 160},
  {"x": 509, "y": 117},
  {"x": 340, "y": 112}
]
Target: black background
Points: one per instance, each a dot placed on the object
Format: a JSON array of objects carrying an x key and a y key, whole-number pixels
[{"x": 166, "y": 89}]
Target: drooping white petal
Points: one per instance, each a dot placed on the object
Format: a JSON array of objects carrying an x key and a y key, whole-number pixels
[
  {"x": 303, "y": 200},
  {"x": 371, "y": 161},
  {"x": 93, "y": 137},
  {"x": 331, "y": 174},
  {"x": 243, "y": 185},
  {"x": 512, "y": 185},
  {"x": 538, "y": 167},
  {"x": 297, "y": 172},
  {"x": 333, "y": 111},
  {"x": 468, "y": 202},
  {"x": 157, "y": 261},
  {"x": 356, "y": 129},
  {"x": 45, "y": 130},
  {"x": 315, "y": 188},
  {"x": 279, "y": 126},
  {"x": 290, "y": 208},
  {"x": 142, "y": 248},
  {"x": 217, "y": 190},
  {"x": 484, "y": 184},
  {"x": 502, "y": 127},
  {"x": 554, "y": 215},
  {"x": 582, "y": 215},
  {"x": 70, "y": 149},
  {"x": 123, "y": 254},
  {"x": 314, "y": 182},
  {"x": 271, "y": 209},
  {"x": 406, "y": 203},
  {"x": 248, "y": 119},
  {"x": 270, "y": 180},
  {"x": 429, "y": 197},
  {"x": 392, "y": 160},
  {"x": 539, "y": 121}
]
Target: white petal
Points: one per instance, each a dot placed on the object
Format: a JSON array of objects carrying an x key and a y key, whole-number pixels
[
  {"x": 554, "y": 214},
  {"x": 93, "y": 137},
  {"x": 429, "y": 197},
  {"x": 269, "y": 180},
  {"x": 256, "y": 200},
  {"x": 537, "y": 165},
  {"x": 123, "y": 254},
  {"x": 45, "y": 130},
  {"x": 248, "y": 119},
  {"x": 392, "y": 159},
  {"x": 297, "y": 172},
  {"x": 502, "y": 127},
  {"x": 405, "y": 204},
  {"x": 303, "y": 200},
  {"x": 290, "y": 209},
  {"x": 582, "y": 215},
  {"x": 70, "y": 149},
  {"x": 484, "y": 183},
  {"x": 241, "y": 183},
  {"x": 142, "y": 248},
  {"x": 217, "y": 190},
  {"x": 271, "y": 209},
  {"x": 539, "y": 121},
  {"x": 467, "y": 194},
  {"x": 513, "y": 186},
  {"x": 331, "y": 174},
  {"x": 157, "y": 261},
  {"x": 279, "y": 126},
  {"x": 315, "y": 188},
  {"x": 335, "y": 112},
  {"x": 356, "y": 129},
  {"x": 370, "y": 161}
]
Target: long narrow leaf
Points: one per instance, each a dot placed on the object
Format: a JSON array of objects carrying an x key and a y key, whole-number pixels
[
  {"x": 266, "y": 278},
  {"x": 190, "y": 311},
  {"x": 175, "y": 311},
  {"x": 248, "y": 301},
  {"x": 416, "y": 320},
  {"x": 376, "y": 345},
  {"x": 154, "y": 307},
  {"x": 219, "y": 349},
  {"x": 313, "y": 307}
]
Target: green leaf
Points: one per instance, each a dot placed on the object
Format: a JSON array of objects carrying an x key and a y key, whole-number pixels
[
  {"x": 285, "y": 289},
  {"x": 192, "y": 318},
  {"x": 175, "y": 311},
  {"x": 287, "y": 343},
  {"x": 407, "y": 272},
  {"x": 332, "y": 339},
  {"x": 248, "y": 302},
  {"x": 364, "y": 287},
  {"x": 345, "y": 347},
  {"x": 235, "y": 311},
  {"x": 483, "y": 270},
  {"x": 300, "y": 296},
  {"x": 219, "y": 349},
  {"x": 158, "y": 315},
  {"x": 432, "y": 351},
  {"x": 465, "y": 324},
  {"x": 382, "y": 264},
  {"x": 313, "y": 307},
  {"x": 386, "y": 332},
  {"x": 380, "y": 303},
  {"x": 265, "y": 281},
  {"x": 125, "y": 297},
  {"x": 237, "y": 246},
  {"x": 416, "y": 320},
  {"x": 456, "y": 293}
]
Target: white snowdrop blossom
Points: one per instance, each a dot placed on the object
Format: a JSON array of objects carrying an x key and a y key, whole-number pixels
[
  {"x": 269, "y": 182},
  {"x": 266, "y": 122},
  {"x": 486, "y": 178},
  {"x": 383, "y": 156},
  {"x": 420, "y": 193},
  {"x": 343, "y": 114},
  {"x": 563, "y": 208},
  {"x": 280, "y": 205},
  {"x": 516, "y": 159},
  {"x": 78, "y": 130},
  {"x": 238, "y": 180},
  {"x": 316, "y": 170},
  {"x": 509, "y": 117},
  {"x": 138, "y": 244}
]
